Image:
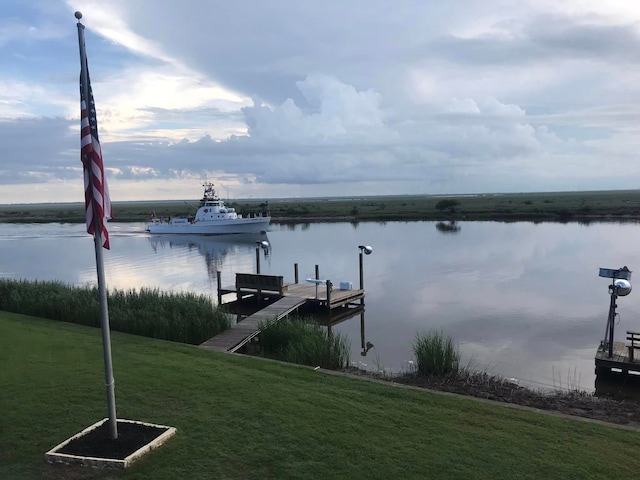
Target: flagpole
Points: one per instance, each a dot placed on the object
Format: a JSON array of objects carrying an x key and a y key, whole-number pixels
[{"x": 97, "y": 236}]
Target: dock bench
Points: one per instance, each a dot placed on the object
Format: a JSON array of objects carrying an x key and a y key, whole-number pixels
[
  {"x": 259, "y": 283},
  {"x": 634, "y": 339}
]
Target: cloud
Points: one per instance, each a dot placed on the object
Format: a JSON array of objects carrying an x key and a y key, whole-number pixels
[
  {"x": 336, "y": 112},
  {"x": 40, "y": 150},
  {"x": 342, "y": 136},
  {"x": 301, "y": 97}
]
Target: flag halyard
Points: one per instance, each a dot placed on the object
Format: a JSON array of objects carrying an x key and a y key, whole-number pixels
[{"x": 96, "y": 191}]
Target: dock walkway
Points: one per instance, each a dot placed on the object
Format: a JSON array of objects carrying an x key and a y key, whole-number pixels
[{"x": 235, "y": 337}]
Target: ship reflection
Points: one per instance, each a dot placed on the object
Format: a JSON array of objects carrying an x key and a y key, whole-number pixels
[{"x": 214, "y": 248}]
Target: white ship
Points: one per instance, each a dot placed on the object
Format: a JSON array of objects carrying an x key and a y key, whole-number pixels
[{"x": 212, "y": 218}]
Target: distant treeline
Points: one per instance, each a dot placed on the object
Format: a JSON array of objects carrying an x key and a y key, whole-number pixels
[{"x": 559, "y": 206}]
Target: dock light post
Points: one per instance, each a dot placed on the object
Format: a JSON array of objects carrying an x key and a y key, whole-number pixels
[
  {"x": 366, "y": 249},
  {"x": 620, "y": 287},
  {"x": 263, "y": 244}
]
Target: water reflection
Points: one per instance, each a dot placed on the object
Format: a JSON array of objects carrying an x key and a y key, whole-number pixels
[
  {"x": 345, "y": 314},
  {"x": 364, "y": 345},
  {"x": 448, "y": 227},
  {"x": 214, "y": 248},
  {"x": 618, "y": 386}
]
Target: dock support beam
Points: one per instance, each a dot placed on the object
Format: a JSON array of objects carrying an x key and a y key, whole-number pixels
[
  {"x": 219, "y": 281},
  {"x": 295, "y": 272},
  {"x": 612, "y": 318},
  {"x": 361, "y": 276}
]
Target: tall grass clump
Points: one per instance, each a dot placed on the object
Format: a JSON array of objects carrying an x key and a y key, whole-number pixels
[
  {"x": 178, "y": 317},
  {"x": 305, "y": 343},
  {"x": 436, "y": 354}
]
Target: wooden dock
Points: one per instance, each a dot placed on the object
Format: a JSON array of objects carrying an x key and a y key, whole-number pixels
[
  {"x": 290, "y": 296},
  {"x": 235, "y": 337},
  {"x": 618, "y": 363}
]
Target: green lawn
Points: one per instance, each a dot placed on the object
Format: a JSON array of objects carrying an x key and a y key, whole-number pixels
[{"x": 243, "y": 417}]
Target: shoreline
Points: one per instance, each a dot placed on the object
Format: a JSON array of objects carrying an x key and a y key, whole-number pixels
[
  {"x": 583, "y": 207},
  {"x": 573, "y": 402}
]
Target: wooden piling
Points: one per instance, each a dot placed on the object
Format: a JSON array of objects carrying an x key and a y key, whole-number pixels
[
  {"x": 361, "y": 277},
  {"x": 219, "y": 280}
]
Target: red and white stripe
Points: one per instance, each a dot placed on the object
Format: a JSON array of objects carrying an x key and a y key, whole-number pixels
[{"x": 97, "y": 198}]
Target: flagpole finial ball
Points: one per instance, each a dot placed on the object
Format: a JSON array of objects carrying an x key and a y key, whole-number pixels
[{"x": 78, "y": 15}]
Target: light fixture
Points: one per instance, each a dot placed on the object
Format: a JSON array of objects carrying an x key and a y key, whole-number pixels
[{"x": 265, "y": 246}]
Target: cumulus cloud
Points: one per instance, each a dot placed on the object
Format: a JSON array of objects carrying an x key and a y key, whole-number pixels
[
  {"x": 336, "y": 112},
  {"x": 343, "y": 136}
]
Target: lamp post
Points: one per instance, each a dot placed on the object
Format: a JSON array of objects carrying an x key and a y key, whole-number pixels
[
  {"x": 366, "y": 250},
  {"x": 620, "y": 287},
  {"x": 263, "y": 244}
]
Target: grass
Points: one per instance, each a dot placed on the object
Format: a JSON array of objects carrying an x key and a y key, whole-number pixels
[
  {"x": 547, "y": 206},
  {"x": 179, "y": 317},
  {"x": 306, "y": 343},
  {"x": 242, "y": 417},
  {"x": 435, "y": 354}
]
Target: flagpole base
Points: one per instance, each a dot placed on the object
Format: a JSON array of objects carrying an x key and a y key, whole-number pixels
[{"x": 92, "y": 447}]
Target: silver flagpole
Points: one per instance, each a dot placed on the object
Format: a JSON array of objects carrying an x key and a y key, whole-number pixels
[{"x": 97, "y": 236}]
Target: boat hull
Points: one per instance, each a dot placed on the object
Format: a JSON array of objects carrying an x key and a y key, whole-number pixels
[{"x": 218, "y": 227}]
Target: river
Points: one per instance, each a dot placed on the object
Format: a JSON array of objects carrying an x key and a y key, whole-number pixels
[{"x": 522, "y": 300}]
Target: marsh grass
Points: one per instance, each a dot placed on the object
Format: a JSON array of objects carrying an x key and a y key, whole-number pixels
[
  {"x": 436, "y": 354},
  {"x": 178, "y": 317},
  {"x": 304, "y": 342}
]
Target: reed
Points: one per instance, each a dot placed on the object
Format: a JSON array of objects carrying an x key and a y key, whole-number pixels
[
  {"x": 436, "y": 354},
  {"x": 178, "y": 317},
  {"x": 306, "y": 343}
]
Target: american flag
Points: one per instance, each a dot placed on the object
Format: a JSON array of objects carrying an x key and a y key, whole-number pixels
[{"x": 97, "y": 199}]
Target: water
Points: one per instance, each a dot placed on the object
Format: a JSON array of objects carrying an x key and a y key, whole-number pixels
[{"x": 522, "y": 300}]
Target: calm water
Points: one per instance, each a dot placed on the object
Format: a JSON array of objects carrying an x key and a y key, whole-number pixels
[{"x": 522, "y": 300}]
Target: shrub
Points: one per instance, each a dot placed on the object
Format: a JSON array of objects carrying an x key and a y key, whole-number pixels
[
  {"x": 297, "y": 341},
  {"x": 436, "y": 354},
  {"x": 449, "y": 205}
]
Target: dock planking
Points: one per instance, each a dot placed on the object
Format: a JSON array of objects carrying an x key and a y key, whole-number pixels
[
  {"x": 235, "y": 337},
  {"x": 619, "y": 361},
  {"x": 337, "y": 298}
]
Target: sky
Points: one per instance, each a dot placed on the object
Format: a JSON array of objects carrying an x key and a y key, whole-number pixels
[{"x": 285, "y": 98}]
